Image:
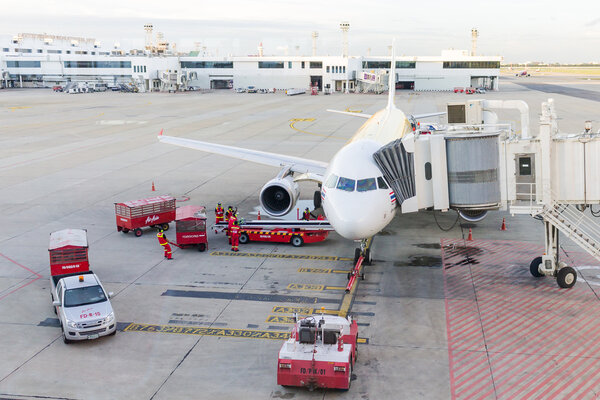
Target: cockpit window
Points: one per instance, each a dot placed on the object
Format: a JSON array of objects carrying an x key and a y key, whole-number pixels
[
  {"x": 364, "y": 185},
  {"x": 331, "y": 181},
  {"x": 346, "y": 184},
  {"x": 381, "y": 183}
]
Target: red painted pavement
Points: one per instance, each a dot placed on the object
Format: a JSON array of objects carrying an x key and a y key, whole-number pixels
[{"x": 513, "y": 336}]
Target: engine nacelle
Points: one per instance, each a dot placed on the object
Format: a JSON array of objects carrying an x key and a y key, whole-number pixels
[
  {"x": 279, "y": 196},
  {"x": 473, "y": 215}
]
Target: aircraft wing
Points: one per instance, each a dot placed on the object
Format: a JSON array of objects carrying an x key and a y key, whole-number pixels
[
  {"x": 296, "y": 164},
  {"x": 354, "y": 114},
  {"x": 419, "y": 116}
]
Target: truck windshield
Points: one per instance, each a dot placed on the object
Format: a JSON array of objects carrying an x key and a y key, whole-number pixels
[{"x": 84, "y": 295}]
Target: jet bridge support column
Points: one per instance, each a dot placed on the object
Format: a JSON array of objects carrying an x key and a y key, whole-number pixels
[{"x": 548, "y": 264}]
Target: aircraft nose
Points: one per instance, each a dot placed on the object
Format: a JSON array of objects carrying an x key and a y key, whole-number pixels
[{"x": 353, "y": 222}]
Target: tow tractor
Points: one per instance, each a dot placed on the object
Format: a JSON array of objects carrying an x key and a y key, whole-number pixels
[
  {"x": 295, "y": 232},
  {"x": 320, "y": 353}
]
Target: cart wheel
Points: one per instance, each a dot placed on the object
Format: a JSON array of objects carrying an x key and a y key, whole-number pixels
[
  {"x": 165, "y": 227},
  {"x": 244, "y": 238},
  {"x": 138, "y": 232},
  {"x": 201, "y": 247},
  {"x": 297, "y": 241},
  {"x": 125, "y": 230}
]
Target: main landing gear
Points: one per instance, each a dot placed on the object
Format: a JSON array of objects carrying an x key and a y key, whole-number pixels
[{"x": 549, "y": 265}]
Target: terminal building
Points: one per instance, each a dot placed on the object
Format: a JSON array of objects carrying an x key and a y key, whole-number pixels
[{"x": 38, "y": 60}]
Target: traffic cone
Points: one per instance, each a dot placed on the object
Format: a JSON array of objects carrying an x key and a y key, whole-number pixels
[
  {"x": 470, "y": 238},
  {"x": 153, "y": 188},
  {"x": 161, "y": 132},
  {"x": 503, "y": 228},
  {"x": 258, "y": 218}
]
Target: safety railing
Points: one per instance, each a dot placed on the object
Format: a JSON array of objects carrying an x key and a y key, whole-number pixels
[{"x": 574, "y": 223}]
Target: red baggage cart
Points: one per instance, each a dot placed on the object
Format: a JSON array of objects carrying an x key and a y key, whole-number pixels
[
  {"x": 68, "y": 250},
  {"x": 156, "y": 212},
  {"x": 190, "y": 227}
]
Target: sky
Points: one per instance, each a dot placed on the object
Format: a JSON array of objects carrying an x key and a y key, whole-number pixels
[{"x": 520, "y": 31}]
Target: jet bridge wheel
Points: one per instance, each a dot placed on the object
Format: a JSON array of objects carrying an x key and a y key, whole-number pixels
[
  {"x": 534, "y": 267},
  {"x": 566, "y": 277}
]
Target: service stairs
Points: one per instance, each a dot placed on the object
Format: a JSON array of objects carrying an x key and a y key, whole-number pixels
[{"x": 578, "y": 227}]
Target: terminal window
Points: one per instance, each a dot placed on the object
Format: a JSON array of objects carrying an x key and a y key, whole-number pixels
[
  {"x": 328, "y": 69},
  {"x": 23, "y": 64},
  {"x": 471, "y": 64},
  {"x": 316, "y": 64},
  {"x": 270, "y": 64},
  {"x": 207, "y": 64},
  {"x": 289, "y": 64}
]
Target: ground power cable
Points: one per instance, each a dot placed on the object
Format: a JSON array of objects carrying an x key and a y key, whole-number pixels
[{"x": 470, "y": 264}]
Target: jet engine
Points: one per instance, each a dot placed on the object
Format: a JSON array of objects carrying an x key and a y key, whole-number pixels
[
  {"x": 473, "y": 215},
  {"x": 279, "y": 196}
]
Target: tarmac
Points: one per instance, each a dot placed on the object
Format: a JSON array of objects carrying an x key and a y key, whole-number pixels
[{"x": 436, "y": 313}]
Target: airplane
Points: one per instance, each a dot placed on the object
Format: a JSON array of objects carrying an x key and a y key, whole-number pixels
[{"x": 356, "y": 198}]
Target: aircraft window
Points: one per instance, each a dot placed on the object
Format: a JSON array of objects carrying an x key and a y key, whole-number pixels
[
  {"x": 331, "y": 181},
  {"x": 381, "y": 183},
  {"x": 364, "y": 185},
  {"x": 346, "y": 184}
]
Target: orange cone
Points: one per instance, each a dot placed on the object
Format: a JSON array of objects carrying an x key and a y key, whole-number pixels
[
  {"x": 503, "y": 228},
  {"x": 153, "y": 188},
  {"x": 470, "y": 238},
  {"x": 258, "y": 215},
  {"x": 161, "y": 132}
]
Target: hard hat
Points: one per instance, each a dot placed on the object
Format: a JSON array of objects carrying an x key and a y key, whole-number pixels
[{"x": 218, "y": 204}]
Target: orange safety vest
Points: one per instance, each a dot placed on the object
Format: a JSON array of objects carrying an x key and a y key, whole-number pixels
[
  {"x": 219, "y": 211},
  {"x": 162, "y": 240},
  {"x": 235, "y": 230}
]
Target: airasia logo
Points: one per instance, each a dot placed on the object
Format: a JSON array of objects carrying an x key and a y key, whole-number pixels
[{"x": 151, "y": 219}]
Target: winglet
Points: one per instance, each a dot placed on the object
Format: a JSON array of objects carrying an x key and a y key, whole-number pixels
[{"x": 392, "y": 78}]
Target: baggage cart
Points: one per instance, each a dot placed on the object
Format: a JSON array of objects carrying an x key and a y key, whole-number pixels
[
  {"x": 190, "y": 227},
  {"x": 155, "y": 212}
]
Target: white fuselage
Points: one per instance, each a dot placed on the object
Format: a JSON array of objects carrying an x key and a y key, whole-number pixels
[{"x": 356, "y": 200}]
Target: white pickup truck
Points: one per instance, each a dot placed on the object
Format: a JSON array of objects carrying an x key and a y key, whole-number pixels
[{"x": 79, "y": 299}]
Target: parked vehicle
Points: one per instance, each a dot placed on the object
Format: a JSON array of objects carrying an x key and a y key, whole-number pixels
[
  {"x": 251, "y": 89},
  {"x": 57, "y": 88},
  {"x": 459, "y": 89},
  {"x": 79, "y": 299},
  {"x": 480, "y": 90},
  {"x": 240, "y": 90}
]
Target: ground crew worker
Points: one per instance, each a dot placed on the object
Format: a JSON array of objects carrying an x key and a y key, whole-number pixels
[
  {"x": 235, "y": 236},
  {"x": 163, "y": 241},
  {"x": 230, "y": 222},
  {"x": 306, "y": 214},
  {"x": 229, "y": 213},
  {"x": 219, "y": 213}
]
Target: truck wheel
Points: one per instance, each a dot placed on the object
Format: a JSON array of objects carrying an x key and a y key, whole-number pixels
[
  {"x": 113, "y": 333},
  {"x": 165, "y": 227},
  {"x": 138, "y": 232},
  {"x": 244, "y": 238},
  {"x": 201, "y": 247},
  {"x": 125, "y": 230},
  {"x": 297, "y": 241},
  {"x": 67, "y": 341}
]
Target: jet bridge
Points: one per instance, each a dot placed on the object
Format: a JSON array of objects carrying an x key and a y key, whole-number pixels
[{"x": 475, "y": 164}]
